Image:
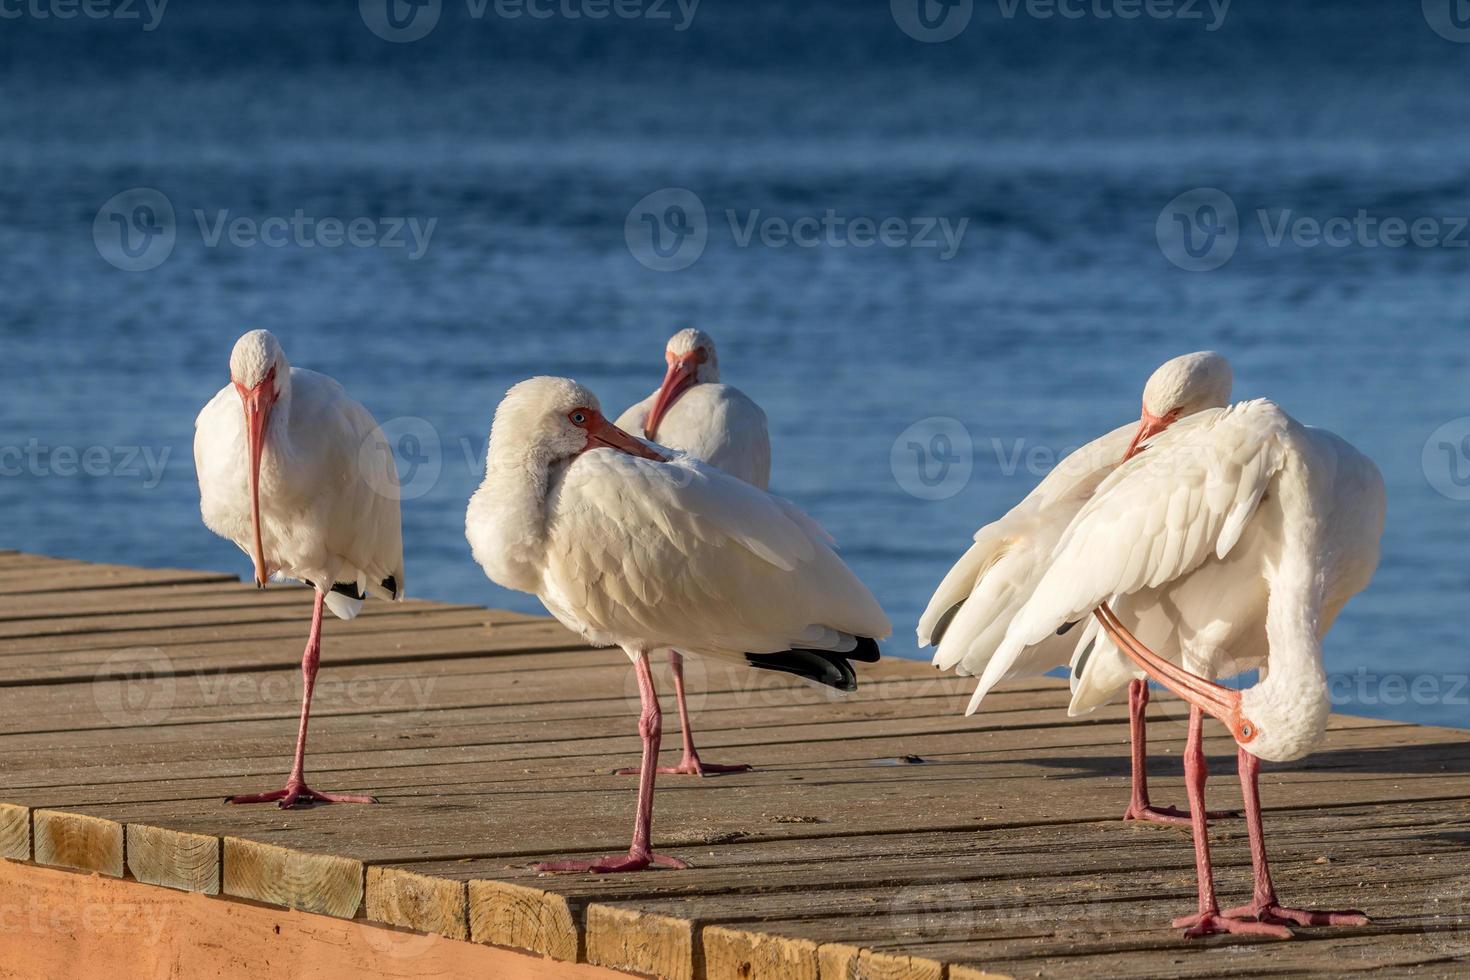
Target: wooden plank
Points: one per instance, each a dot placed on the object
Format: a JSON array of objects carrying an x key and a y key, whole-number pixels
[
  {"x": 173, "y": 859},
  {"x": 640, "y": 942},
  {"x": 80, "y": 842},
  {"x": 507, "y": 914},
  {"x": 738, "y": 954},
  {"x": 86, "y": 926},
  {"x": 419, "y": 902},
  {"x": 323, "y": 883},
  {"x": 840, "y": 961},
  {"x": 15, "y": 832}
]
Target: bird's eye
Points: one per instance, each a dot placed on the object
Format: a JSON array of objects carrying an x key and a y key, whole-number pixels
[{"x": 579, "y": 418}]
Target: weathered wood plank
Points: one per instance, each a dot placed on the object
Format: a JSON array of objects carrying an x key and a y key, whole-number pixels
[
  {"x": 15, "y": 832},
  {"x": 507, "y": 914},
  {"x": 173, "y": 859},
  {"x": 80, "y": 842},
  {"x": 639, "y": 942},
  {"x": 420, "y": 902},
  {"x": 274, "y": 875}
]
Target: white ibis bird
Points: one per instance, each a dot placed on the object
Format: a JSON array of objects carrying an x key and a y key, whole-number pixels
[
  {"x": 968, "y": 616},
  {"x": 298, "y": 475},
  {"x": 633, "y": 546},
  {"x": 694, "y": 413},
  {"x": 1232, "y": 542}
]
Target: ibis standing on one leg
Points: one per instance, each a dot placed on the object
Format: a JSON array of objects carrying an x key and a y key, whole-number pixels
[
  {"x": 696, "y": 414},
  {"x": 635, "y": 547},
  {"x": 1231, "y": 544},
  {"x": 298, "y": 475}
]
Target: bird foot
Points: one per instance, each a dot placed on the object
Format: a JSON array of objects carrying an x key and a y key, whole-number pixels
[
  {"x": 689, "y": 766},
  {"x": 1171, "y": 816},
  {"x": 632, "y": 861},
  {"x": 1227, "y": 924},
  {"x": 298, "y": 792},
  {"x": 1280, "y": 915}
]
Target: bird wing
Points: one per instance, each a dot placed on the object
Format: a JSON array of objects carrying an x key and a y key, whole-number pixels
[
  {"x": 968, "y": 616},
  {"x": 1158, "y": 517},
  {"x": 682, "y": 555},
  {"x": 364, "y": 532}
]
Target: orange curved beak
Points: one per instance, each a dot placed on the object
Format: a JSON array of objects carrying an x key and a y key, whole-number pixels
[
  {"x": 679, "y": 378},
  {"x": 258, "y": 402},
  {"x": 1211, "y": 698},
  {"x": 603, "y": 434},
  {"x": 1148, "y": 427}
]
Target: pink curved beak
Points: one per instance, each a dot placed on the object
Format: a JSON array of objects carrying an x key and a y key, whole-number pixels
[
  {"x": 1148, "y": 427},
  {"x": 679, "y": 378},
  {"x": 603, "y": 434},
  {"x": 1211, "y": 698},
  {"x": 258, "y": 402}
]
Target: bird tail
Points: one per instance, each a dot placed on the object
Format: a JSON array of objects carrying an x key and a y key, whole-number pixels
[{"x": 820, "y": 666}]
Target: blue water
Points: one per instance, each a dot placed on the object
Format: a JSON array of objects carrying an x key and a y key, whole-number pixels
[{"x": 527, "y": 142}]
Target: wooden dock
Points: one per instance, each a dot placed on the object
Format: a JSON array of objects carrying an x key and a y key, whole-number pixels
[{"x": 881, "y": 835}]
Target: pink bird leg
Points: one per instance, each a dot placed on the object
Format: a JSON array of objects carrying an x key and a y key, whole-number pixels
[
  {"x": 1209, "y": 920},
  {"x": 1139, "y": 807},
  {"x": 296, "y": 790},
  {"x": 691, "y": 764},
  {"x": 640, "y": 854},
  {"x": 1264, "y": 906}
]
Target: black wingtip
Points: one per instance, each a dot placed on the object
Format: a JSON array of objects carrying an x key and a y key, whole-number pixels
[
  {"x": 1066, "y": 628},
  {"x": 831, "y": 669},
  {"x": 390, "y": 585},
  {"x": 349, "y": 589}
]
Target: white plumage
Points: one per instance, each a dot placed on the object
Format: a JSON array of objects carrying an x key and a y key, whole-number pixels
[
  {"x": 1231, "y": 543},
  {"x": 328, "y": 487},
  {"x": 644, "y": 554},
  {"x": 973, "y": 606}
]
